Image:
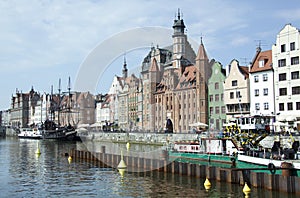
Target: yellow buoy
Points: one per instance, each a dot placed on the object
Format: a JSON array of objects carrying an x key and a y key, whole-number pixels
[
  {"x": 70, "y": 159},
  {"x": 122, "y": 164},
  {"x": 128, "y": 146},
  {"x": 246, "y": 189},
  {"x": 122, "y": 172},
  {"x": 38, "y": 151},
  {"x": 207, "y": 184}
]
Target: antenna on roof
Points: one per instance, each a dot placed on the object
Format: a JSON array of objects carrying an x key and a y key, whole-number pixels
[{"x": 245, "y": 61}]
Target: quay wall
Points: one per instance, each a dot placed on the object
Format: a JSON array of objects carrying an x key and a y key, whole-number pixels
[
  {"x": 274, "y": 182},
  {"x": 164, "y": 138}
]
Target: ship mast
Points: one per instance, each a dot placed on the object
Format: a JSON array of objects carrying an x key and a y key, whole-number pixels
[
  {"x": 58, "y": 112},
  {"x": 69, "y": 90}
]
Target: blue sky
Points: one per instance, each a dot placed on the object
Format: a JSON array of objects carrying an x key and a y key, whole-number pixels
[{"x": 42, "y": 41}]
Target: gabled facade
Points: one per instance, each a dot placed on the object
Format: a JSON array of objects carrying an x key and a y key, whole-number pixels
[
  {"x": 285, "y": 55},
  {"x": 216, "y": 105},
  {"x": 261, "y": 84},
  {"x": 236, "y": 90}
]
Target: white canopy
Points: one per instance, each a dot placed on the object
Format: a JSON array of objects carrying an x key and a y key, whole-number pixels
[
  {"x": 97, "y": 124},
  {"x": 83, "y": 125},
  {"x": 198, "y": 124}
]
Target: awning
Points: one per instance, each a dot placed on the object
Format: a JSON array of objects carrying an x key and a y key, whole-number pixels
[{"x": 198, "y": 124}]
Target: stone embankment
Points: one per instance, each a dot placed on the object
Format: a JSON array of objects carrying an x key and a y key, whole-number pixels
[{"x": 275, "y": 182}]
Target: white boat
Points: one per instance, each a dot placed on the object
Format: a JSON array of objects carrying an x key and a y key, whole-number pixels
[
  {"x": 30, "y": 133},
  {"x": 268, "y": 162}
]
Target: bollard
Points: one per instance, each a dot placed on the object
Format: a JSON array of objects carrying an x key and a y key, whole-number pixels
[{"x": 286, "y": 172}]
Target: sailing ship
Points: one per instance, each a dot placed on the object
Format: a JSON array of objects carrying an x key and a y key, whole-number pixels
[{"x": 49, "y": 129}]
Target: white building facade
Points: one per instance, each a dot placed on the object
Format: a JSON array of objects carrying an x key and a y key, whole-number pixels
[
  {"x": 261, "y": 84},
  {"x": 285, "y": 55}
]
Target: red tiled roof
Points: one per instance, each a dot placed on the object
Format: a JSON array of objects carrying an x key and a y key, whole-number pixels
[
  {"x": 244, "y": 70},
  {"x": 265, "y": 56},
  {"x": 187, "y": 78}
]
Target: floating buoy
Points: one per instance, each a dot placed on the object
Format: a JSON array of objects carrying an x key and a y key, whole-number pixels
[
  {"x": 128, "y": 146},
  {"x": 207, "y": 184},
  {"x": 122, "y": 164},
  {"x": 246, "y": 190},
  {"x": 122, "y": 172},
  {"x": 38, "y": 151},
  {"x": 70, "y": 159}
]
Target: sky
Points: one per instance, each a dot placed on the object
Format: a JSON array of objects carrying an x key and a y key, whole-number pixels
[{"x": 42, "y": 41}]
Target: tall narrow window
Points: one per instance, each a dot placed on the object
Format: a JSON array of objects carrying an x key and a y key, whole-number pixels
[
  {"x": 282, "y": 76},
  {"x": 295, "y": 60},
  {"x": 295, "y": 75},
  {"x": 256, "y": 78},
  {"x": 281, "y": 63},
  {"x": 265, "y": 91},
  {"x": 282, "y": 48},
  {"x": 290, "y": 106},
  {"x": 257, "y": 107},
  {"x": 265, "y": 77},
  {"x": 292, "y": 46},
  {"x": 216, "y": 85},
  {"x": 266, "y": 106},
  {"x": 256, "y": 92},
  {"x": 297, "y": 105},
  {"x": 281, "y": 106}
]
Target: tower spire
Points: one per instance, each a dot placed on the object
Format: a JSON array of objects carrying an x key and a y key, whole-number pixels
[
  {"x": 178, "y": 15},
  {"x": 125, "y": 70}
]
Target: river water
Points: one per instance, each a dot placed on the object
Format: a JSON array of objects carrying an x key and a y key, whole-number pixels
[{"x": 25, "y": 174}]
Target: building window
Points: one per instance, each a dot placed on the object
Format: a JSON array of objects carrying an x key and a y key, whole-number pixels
[
  {"x": 281, "y": 63},
  {"x": 296, "y": 90},
  {"x": 265, "y": 91},
  {"x": 211, "y": 110},
  {"x": 222, "y": 97},
  {"x": 217, "y": 110},
  {"x": 282, "y": 48},
  {"x": 256, "y": 78},
  {"x": 289, "y": 106},
  {"x": 231, "y": 95},
  {"x": 211, "y": 98},
  {"x": 223, "y": 109},
  {"x": 217, "y": 97},
  {"x": 265, "y": 77},
  {"x": 256, "y": 106},
  {"x": 295, "y": 75},
  {"x": 261, "y": 63},
  {"x": 282, "y": 91},
  {"x": 238, "y": 94},
  {"x": 295, "y": 60},
  {"x": 256, "y": 92},
  {"x": 266, "y": 106},
  {"x": 281, "y": 106},
  {"x": 292, "y": 46},
  {"x": 216, "y": 85},
  {"x": 234, "y": 83},
  {"x": 282, "y": 77},
  {"x": 297, "y": 105}
]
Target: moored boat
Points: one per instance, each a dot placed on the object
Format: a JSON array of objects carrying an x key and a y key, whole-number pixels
[
  {"x": 30, "y": 133},
  {"x": 267, "y": 162}
]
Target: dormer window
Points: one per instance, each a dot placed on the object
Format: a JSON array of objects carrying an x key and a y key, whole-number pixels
[{"x": 261, "y": 63}]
